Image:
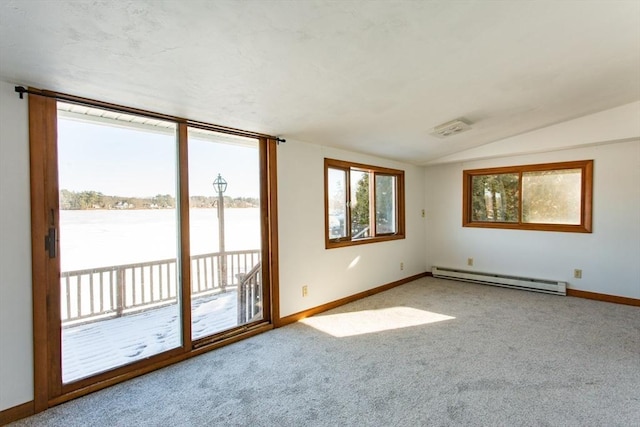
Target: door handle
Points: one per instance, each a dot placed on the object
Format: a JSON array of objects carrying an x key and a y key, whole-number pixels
[{"x": 50, "y": 242}]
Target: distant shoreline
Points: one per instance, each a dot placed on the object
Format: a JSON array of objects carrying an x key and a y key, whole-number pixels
[
  {"x": 153, "y": 209},
  {"x": 95, "y": 200}
]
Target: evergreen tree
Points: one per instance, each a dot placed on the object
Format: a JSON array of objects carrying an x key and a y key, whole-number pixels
[{"x": 360, "y": 212}]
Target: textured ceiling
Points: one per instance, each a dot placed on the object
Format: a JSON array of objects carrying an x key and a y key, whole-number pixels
[{"x": 372, "y": 77}]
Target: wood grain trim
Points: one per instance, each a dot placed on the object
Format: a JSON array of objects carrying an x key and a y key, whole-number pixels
[
  {"x": 42, "y": 129},
  {"x": 343, "y": 164},
  {"x": 265, "y": 227},
  {"x": 585, "y": 203},
  {"x": 377, "y": 170},
  {"x": 272, "y": 218},
  {"x": 16, "y": 413},
  {"x": 342, "y": 243},
  {"x": 587, "y": 197},
  {"x": 401, "y": 208},
  {"x": 185, "y": 246},
  {"x": 603, "y": 297},
  {"x": 328, "y": 306}
]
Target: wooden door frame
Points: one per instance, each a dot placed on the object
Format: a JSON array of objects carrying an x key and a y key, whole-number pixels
[
  {"x": 48, "y": 387},
  {"x": 43, "y": 168}
]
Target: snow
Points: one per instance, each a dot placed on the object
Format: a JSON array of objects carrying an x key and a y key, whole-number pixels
[
  {"x": 96, "y": 347},
  {"x": 101, "y": 238}
]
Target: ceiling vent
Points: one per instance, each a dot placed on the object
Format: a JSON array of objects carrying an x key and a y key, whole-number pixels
[{"x": 451, "y": 128}]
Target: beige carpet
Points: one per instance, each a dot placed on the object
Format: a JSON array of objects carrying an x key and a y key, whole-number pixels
[{"x": 431, "y": 352}]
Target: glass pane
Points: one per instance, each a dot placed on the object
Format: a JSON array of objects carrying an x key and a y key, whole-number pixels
[
  {"x": 225, "y": 231},
  {"x": 118, "y": 239},
  {"x": 552, "y": 197},
  {"x": 385, "y": 204},
  {"x": 360, "y": 196},
  {"x": 495, "y": 198},
  {"x": 337, "y": 196}
]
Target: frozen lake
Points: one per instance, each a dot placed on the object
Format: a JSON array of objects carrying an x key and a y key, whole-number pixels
[{"x": 99, "y": 238}]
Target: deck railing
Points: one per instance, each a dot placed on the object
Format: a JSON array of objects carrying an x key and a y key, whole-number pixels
[
  {"x": 112, "y": 291},
  {"x": 250, "y": 295}
]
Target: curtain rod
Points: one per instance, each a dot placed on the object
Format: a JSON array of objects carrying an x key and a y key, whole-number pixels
[{"x": 21, "y": 90}]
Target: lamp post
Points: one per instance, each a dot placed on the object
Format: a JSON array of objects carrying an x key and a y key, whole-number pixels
[{"x": 220, "y": 186}]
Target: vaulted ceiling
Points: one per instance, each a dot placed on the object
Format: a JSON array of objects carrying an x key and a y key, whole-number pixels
[{"x": 372, "y": 77}]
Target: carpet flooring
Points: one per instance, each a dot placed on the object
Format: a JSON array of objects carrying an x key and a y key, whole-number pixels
[{"x": 432, "y": 352}]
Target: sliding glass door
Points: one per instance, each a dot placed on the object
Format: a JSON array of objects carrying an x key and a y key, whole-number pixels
[
  {"x": 155, "y": 238},
  {"x": 225, "y": 235},
  {"x": 119, "y": 300}
]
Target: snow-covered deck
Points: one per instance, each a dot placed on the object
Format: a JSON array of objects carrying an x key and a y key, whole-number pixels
[{"x": 105, "y": 344}]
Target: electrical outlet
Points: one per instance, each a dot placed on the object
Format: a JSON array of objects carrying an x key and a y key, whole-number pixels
[
  {"x": 470, "y": 261},
  {"x": 305, "y": 291},
  {"x": 402, "y": 266},
  {"x": 577, "y": 273}
]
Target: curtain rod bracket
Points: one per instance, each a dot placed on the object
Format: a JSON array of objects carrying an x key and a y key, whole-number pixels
[
  {"x": 21, "y": 90},
  {"x": 280, "y": 140}
]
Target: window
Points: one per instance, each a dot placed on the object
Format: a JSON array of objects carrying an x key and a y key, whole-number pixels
[
  {"x": 363, "y": 204},
  {"x": 550, "y": 197}
]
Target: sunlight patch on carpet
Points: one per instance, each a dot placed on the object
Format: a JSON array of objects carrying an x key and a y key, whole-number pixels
[{"x": 371, "y": 321}]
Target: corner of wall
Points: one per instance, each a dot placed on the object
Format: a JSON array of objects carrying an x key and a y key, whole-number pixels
[{"x": 16, "y": 346}]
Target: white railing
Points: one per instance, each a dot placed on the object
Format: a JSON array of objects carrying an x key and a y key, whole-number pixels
[
  {"x": 116, "y": 290},
  {"x": 250, "y": 295}
]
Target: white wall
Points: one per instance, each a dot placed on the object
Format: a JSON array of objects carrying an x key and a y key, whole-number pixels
[
  {"x": 609, "y": 257},
  {"x": 16, "y": 349},
  {"x": 331, "y": 274}
]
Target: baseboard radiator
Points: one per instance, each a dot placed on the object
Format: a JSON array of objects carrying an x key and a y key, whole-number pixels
[{"x": 525, "y": 283}]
